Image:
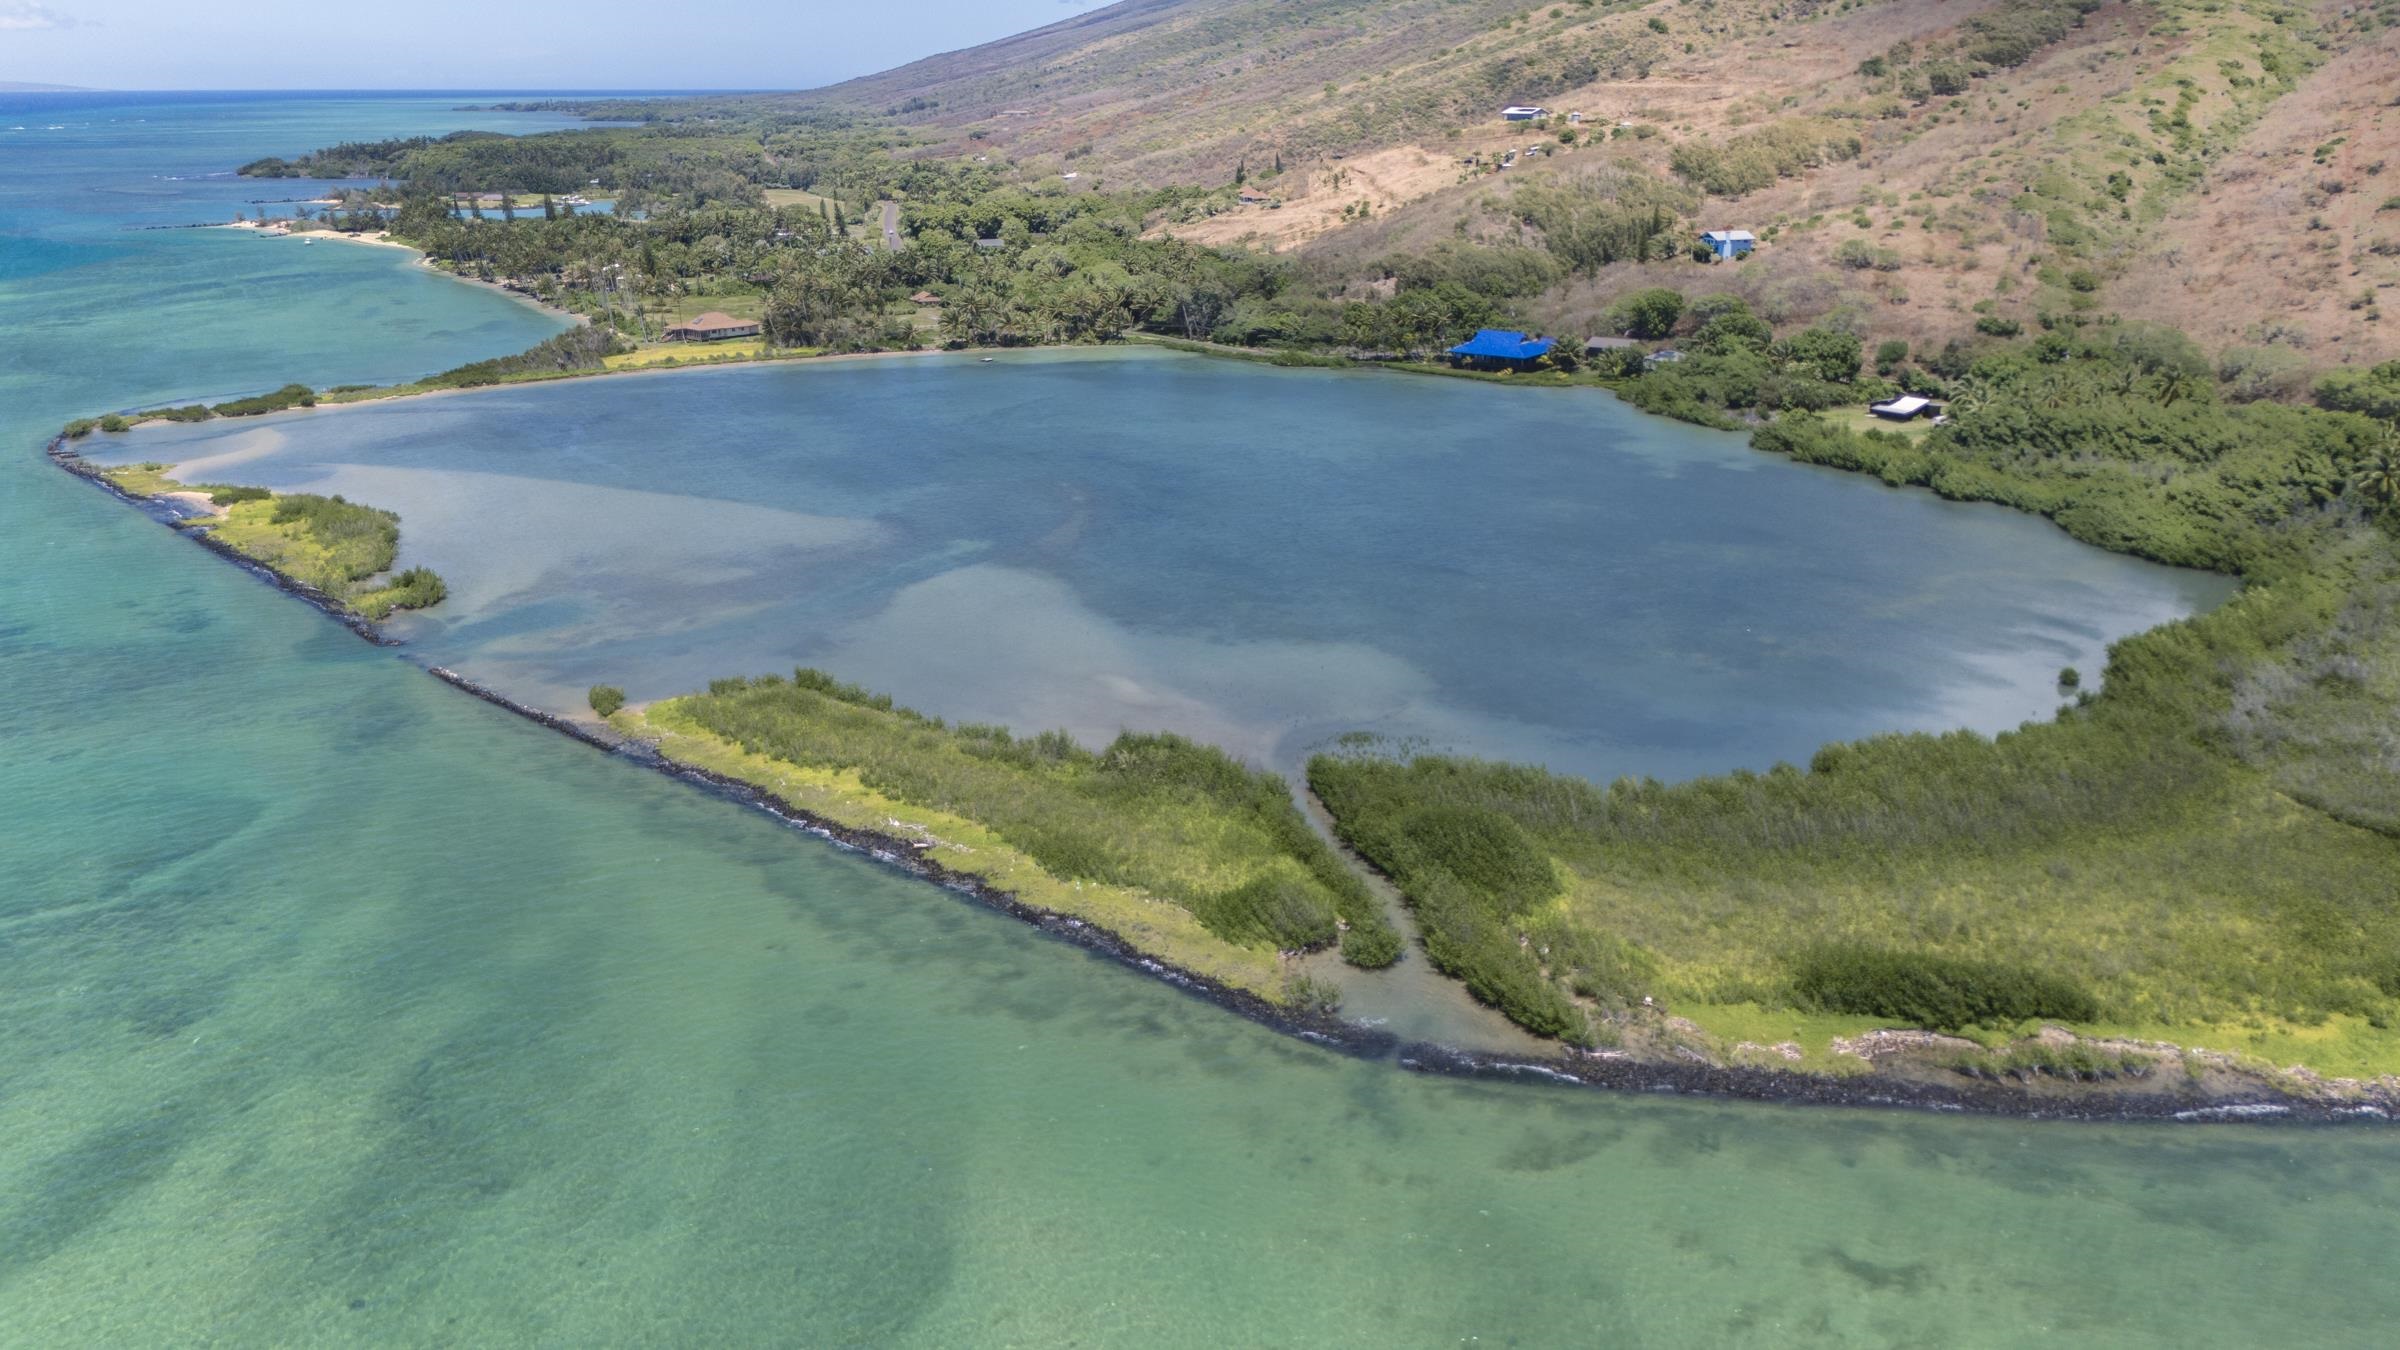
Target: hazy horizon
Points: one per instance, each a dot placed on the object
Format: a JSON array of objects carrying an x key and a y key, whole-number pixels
[{"x": 451, "y": 45}]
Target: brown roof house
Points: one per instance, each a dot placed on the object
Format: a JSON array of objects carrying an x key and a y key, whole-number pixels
[
  {"x": 925, "y": 298},
  {"x": 711, "y": 327}
]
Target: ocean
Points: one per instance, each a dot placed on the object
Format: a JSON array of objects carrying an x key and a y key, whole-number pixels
[{"x": 339, "y": 1007}]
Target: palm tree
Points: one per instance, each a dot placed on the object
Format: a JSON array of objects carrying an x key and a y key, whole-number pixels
[
  {"x": 1968, "y": 399},
  {"x": 2378, "y": 480},
  {"x": 2176, "y": 384},
  {"x": 2317, "y": 474}
]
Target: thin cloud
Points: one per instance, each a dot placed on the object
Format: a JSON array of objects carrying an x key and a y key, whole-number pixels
[{"x": 24, "y": 17}]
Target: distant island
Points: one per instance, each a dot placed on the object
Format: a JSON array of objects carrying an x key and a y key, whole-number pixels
[{"x": 25, "y": 87}]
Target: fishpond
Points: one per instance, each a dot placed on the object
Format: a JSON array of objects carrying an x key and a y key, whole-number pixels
[
  {"x": 1261, "y": 558},
  {"x": 340, "y": 1008}
]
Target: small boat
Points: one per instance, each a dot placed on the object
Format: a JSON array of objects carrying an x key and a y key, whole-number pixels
[{"x": 985, "y": 360}]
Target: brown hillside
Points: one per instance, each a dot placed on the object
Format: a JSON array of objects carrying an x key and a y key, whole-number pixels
[
  {"x": 2294, "y": 239},
  {"x": 1961, "y": 162}
]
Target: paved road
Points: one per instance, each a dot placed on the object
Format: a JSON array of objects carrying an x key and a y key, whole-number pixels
[{"x": 891, "y": 225}]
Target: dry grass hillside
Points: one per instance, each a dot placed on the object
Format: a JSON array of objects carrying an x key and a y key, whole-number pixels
[
  {"x": 2305, "y": 214},
  {"x": 1158, "y": 91},
  {"x": 1919, "y": 169},
  {"x": 2211, "y": 165}
]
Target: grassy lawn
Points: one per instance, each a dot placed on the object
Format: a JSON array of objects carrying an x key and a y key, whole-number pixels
[
  {"x": 686, "y": 353},
  {"x": 787, "y": 197},
  {"x": 145, "y": 480},
  {"x": 810, "y": 201},
  {"x": 1859, "y": 419}
]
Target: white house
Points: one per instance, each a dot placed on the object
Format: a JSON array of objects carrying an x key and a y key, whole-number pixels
[
  {"x": 1523, "y": 113},
  {"x": 1904, "y": 408}
]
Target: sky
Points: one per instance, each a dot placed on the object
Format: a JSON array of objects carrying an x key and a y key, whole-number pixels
[{"x": 489, "y": 44}]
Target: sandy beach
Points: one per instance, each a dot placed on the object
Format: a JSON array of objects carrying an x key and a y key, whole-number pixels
[{"x": 383, "y": 239}]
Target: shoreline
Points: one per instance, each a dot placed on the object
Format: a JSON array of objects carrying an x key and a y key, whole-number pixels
[
  {"x": 336, "y": 402},
  {"x": 2257, "y": 1098},
  {"x": 383, "y": 239}
]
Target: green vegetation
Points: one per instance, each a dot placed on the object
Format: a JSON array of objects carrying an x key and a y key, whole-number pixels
[
  {"x": 1472, "y": 877},
  {"x": 1591, "y": 220},
  {"x": 347, "y": 542},
  {"x": 635, "y": 166},
  {"x": 576, "y": 351},
  {"x": 606, "y": 699},
  {"x": 1942, "y": 993},
  {"x": 1067, "y": 267},
  {"x": 2210, "y": 842},
  {"x": 1649, "y": 314},
  {"x": 1755, "y": 159},
  {"x": 2374, "y": 392},
  {"x": 2203, "y": 841},
  {"x": 412, "y": 588},
  {"x": 1733, "y": 363},
  {"x": 288, "y": 397},
  {"x": 332, "y": 544},
  {"x": 2073, "y": 1063},
  {"x": 1152, "y": 814}
]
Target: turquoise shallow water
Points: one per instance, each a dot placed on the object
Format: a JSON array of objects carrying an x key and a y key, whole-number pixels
[{"x": 339, "y": 1008}]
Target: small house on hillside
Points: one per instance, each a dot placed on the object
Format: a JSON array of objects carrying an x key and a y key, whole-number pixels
[
  {"x": 1523, "y": 113},
  {"x": 712, "y": 327},
  {"x": 1501, "y": 349},
  {"x": 1664, "y": 356},
  {"x": 1729, "y": 243},
  {"x": 1907, "y": 407},
  {"x": 924, "y": 298},
  {"x": 1251, "y": 197},
  {"x": 1595, "y": 346}
]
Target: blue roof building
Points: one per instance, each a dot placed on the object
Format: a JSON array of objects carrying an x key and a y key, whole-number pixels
[
  {"x": 1729, "y": 243},
  {"x": 1502, "y": 346}
]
